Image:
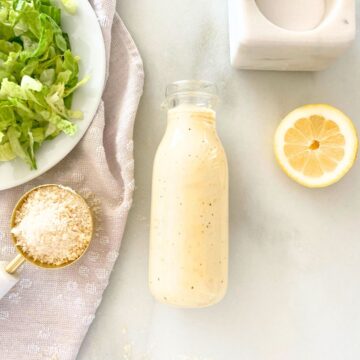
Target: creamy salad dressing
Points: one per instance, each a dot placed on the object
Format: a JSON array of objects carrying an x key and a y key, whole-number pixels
[{"x": 189, "y": 225}]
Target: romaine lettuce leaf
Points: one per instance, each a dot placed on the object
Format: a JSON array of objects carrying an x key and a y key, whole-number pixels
[{"x": 6, "y": 152}]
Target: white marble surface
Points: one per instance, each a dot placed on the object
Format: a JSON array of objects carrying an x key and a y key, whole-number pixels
[{"x": 295, "y": 253}]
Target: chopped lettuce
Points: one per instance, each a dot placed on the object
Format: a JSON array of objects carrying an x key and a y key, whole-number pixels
[
  {"x": 6, "y": 152},
  {"x": 38, "y": 76}
]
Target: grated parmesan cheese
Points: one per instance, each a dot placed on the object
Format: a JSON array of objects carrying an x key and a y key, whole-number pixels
[{"x": 53, "y": 225}]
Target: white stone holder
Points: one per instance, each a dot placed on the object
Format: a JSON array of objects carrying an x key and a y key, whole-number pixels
[
  {"x": 7, "y": 281},
  {"x": 257, "y": 43}
]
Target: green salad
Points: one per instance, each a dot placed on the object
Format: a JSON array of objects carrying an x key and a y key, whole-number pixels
[{"x": 38, "y": 76}]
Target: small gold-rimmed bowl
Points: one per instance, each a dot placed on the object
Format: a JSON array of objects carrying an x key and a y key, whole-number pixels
[{"x": 22, "y": 255}]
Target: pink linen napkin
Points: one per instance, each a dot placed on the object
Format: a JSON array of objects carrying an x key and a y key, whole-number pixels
[{"x": 47, "y": 314}]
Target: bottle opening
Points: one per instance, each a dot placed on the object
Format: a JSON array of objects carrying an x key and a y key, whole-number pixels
[{"x": 195, "y": 92}]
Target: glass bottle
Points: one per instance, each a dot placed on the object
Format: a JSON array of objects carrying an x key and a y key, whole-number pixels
[{"x": 188, "y": 262}]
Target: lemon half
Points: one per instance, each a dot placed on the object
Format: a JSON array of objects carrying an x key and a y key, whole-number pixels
[{"x": 316, "y": 145}]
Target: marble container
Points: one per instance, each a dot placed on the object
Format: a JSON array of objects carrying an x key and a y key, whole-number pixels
[{"x": 268, "y": 34}]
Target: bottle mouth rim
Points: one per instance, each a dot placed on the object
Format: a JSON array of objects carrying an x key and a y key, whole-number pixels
[{"x": 182, "y": 87}]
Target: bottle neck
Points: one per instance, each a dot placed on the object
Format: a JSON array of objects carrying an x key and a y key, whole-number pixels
[{"x": 191, "y": 101}]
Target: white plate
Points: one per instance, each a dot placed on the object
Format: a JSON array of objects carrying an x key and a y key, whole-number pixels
[{"x": 87, "y": 42}]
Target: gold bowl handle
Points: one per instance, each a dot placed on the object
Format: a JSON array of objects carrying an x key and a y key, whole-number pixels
[{"x": 14, "y": 264}]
